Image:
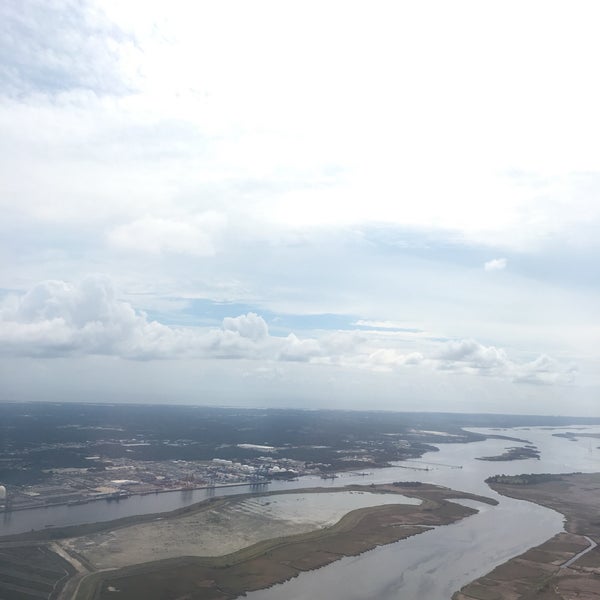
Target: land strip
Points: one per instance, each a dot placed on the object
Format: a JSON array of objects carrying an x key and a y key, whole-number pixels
[{"x": 547, "y": 572}]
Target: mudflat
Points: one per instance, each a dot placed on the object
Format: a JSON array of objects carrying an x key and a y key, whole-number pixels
[
  {"x": 222, "y": 527},
  {"x": 282, "y": 556},
  {"x": 546, "y": 572}
]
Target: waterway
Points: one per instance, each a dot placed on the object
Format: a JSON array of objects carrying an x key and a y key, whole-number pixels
[
  {"x": 435, "y": 564},
  {"x": 432, "y": 565}
]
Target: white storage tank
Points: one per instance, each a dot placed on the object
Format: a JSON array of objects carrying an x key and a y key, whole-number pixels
[{"x": 2, "y": 493}]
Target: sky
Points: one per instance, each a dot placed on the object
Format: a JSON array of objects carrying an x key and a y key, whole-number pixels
[{"x": 383, "y": 205}]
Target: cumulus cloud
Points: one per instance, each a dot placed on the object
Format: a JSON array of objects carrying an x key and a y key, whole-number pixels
[
  {"x": 250, "y": 326},
  {"x": 387, "y": 358},
  {"x": 295, "y": 349},
  {"x": 55, "y": 318},
  {"x": 472, "y": 357},
  {"x": 496, "y": 264},
  {"x": 544, "y": 370},
  {"x": 472, "y": 352}
]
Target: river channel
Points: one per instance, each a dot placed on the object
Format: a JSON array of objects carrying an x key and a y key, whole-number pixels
[
  {"x": 432, "y": 565},
  {"x": 435, "y": 564}
]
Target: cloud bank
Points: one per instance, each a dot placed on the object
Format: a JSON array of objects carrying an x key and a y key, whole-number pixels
[
  {"x": 56, "y": 318},
  {"x": 428, "y": 239}
]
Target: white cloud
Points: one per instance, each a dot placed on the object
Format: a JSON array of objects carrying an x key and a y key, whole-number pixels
[
  {"x": 391, "y": 325},
  {"x": 59, "y": 46},
  {"x": 496, "y": 264},
  {"x": 182, "y": 124},
  {"x": 152, "y": 141},
  {"x": 195, "y": 235},
  {"x": 55, "y": 318},
  {"x": 295, "y": 349},
  {"x": 388, "y": 358},
  {"x": 543, "y": 370},
  {"x": 473, "y": 354},
  {"x": 250, "y": 326},
  {"x": 471, "y": 357}
]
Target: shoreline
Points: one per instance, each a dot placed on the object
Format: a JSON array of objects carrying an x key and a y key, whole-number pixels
[
  {"x": 65, "y": 531},
  {"x": 52, "y": 533},
  {"x": 125, "y": 497},
  {"x": 565, "y": 565},
  {"x": 323, "y": 475}
]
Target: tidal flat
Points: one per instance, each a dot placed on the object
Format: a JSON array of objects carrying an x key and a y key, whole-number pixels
[
  {"x": 224, "y": 526},
  {"x": 226, "y": 569}
]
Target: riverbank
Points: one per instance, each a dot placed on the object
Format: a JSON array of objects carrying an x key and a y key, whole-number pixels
[
  {"x": 117, "y": 497},
  {"x": 275, "y": 560},
  {"x": 565, "y": 566},
  {"x": 74, "y": 531}
]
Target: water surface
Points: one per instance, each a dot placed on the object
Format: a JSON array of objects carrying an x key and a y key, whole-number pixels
[
  {"x": 322, "y": 509},
  {"x": 435, "y": 564}
]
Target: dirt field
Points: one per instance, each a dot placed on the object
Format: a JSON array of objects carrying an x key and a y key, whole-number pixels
[{"x": 541, "y": 573}]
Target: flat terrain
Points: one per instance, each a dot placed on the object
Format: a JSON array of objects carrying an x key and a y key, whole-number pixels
[
  {"x": 264, "y": 563},
  {"x": 221, "y": 527},
  {"x": 542, "y": 572},
  {"x": 31, "y": 573}
]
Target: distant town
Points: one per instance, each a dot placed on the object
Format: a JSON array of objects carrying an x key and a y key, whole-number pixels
[{"x": 76, "y": 453}]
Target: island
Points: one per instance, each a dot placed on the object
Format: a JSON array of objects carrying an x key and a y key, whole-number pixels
[{"x": 515, "y": 453}]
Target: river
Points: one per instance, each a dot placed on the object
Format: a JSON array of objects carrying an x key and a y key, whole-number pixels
[
  {"x": 431, "y": 565},
  {"x": 435, "y": 564}
]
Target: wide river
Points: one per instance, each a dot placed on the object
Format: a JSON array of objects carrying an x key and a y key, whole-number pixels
[{"x": 429, "y": 566}]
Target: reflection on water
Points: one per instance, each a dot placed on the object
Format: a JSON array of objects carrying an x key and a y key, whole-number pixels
[
  {"x": 186, "y": 496},
  {"x": 321, "y": 509}
]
